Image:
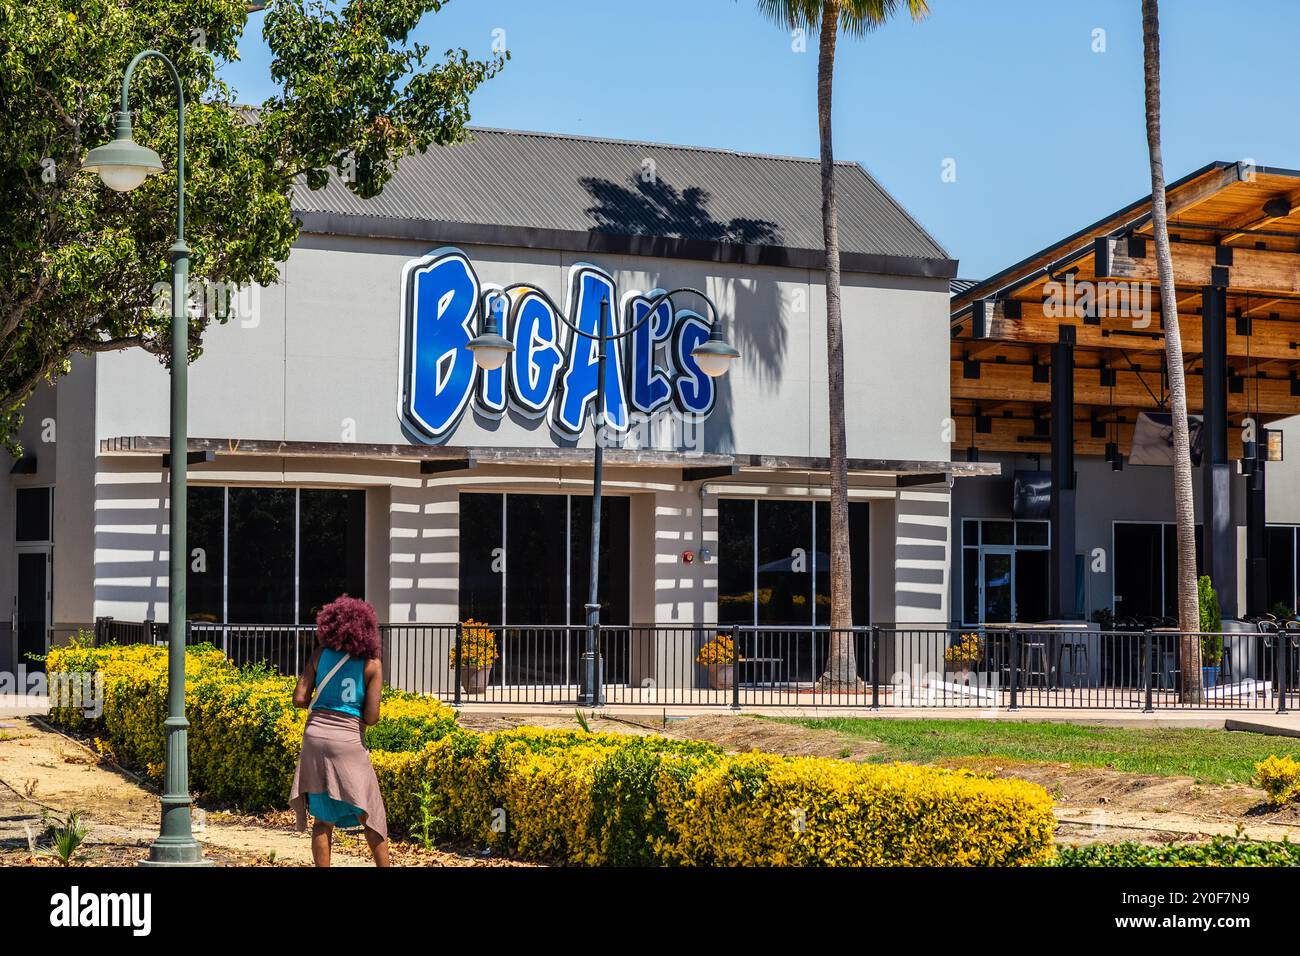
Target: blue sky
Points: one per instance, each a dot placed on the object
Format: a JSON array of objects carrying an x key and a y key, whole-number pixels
[{"x": 1047, "y": 135}]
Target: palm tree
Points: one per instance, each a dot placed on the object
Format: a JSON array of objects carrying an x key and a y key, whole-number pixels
[
  {"x": 1189, "y": 617},
  {"x": 855, "y": 18}
]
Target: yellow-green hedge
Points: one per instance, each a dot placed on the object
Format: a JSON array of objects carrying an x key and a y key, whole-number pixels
[{"x": 571, "y": 796}]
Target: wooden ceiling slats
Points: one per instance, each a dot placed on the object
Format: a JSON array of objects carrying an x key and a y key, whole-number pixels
[
  {"x": 1006, "y": 382},
  {"x": 1017, "y": 437}
]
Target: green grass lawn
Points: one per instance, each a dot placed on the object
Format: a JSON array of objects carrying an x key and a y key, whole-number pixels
[{"x": 1212, "y": 756}]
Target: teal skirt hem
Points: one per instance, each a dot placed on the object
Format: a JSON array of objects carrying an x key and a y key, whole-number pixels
[{"x": 326, "y": 809}]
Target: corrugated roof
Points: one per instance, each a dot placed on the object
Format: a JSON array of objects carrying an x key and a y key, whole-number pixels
[
  {"x": 958, "y": 286},
  {"x": 577, "y": 184}
]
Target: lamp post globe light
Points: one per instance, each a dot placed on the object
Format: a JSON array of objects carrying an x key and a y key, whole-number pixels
[
  {"x": 491, "y": 350},
  {"x": 123, "y": 165}
]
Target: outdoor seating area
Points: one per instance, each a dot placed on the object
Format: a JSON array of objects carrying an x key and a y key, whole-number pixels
[{"x": 1001, "y": 668}]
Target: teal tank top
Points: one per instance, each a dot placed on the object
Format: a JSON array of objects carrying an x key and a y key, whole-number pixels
[{"x": 346, "y": 691}]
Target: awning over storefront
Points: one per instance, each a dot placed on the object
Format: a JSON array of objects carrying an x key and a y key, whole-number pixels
[{"x": 438, "y": 458}]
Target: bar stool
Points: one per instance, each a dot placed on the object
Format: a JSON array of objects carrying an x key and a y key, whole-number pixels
[
  {"x": 1167, "y": 672},
  {"x": 1034, "y": 661},
  {"x": 1075, "y": 649}
]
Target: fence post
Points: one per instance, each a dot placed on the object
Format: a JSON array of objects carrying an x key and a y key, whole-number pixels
[
  {"x": 1283, "y": 665},
  {"x": 456, "y": 692},
  {"x": 1148, "y": 672},
  {"x": 875, "y": 667},
  {"x": 1014, "y": 669},
  {"x": 735, "y": 673},
  {"x": 598, "y": 693}
]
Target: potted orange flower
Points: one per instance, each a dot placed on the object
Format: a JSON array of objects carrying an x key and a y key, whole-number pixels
[
  {"x": 719, "y": 657},
  {"x": 478, "y": 652}
]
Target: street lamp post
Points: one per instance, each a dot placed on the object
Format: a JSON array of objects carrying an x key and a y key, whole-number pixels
[
  {"x": 491, "y": 350},
  {"x": 123, "y": 165}
]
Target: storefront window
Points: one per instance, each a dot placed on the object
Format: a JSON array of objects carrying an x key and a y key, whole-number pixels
[
  {"x": 524, "y": 559},
  {"x": 1146, "y": 567},
  {"x": 205, "y": 536},
  {"x": 332, "y": 550},
  {"x": 536, "y": 543},
  {"x": 736, "y": 562},
  {"x": 1280, "y": 553},
  {"x": 260, "y": 536},
  {"x": 1005, "y": 571},
  {"x": 774, "y": 562},
  {"x": 785, "y": 563},
  {"x": 272, "y": 555},
  {"x": 482, "y": 558},
  {"x": 33, "y": 515},
  {"x": 614, "y": 544}
]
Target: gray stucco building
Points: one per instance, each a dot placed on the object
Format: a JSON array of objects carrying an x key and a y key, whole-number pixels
[{"x": 327, "y": 475}]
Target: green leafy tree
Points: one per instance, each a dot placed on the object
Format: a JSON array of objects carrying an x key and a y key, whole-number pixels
[
  {"x": 828, "y": 18},
  {"x": 81, "y": 267}
]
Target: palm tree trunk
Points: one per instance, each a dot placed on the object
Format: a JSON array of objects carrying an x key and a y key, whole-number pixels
[
  {"x": 1188, "y": 607},
  {"x": 841, "y": 664}
]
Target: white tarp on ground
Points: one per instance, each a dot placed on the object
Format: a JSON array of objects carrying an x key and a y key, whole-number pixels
[
  {"x": 1245, "y": 688},
  {"x": 934, "y": 690}
]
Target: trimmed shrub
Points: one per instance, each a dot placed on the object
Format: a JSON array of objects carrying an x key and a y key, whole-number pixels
[
  {"x": 1279, "y": 777},
  {"x": 1220, "y": 851},
  {"x": 570, "y": 796},
  {"x": 760, "y": 810}
]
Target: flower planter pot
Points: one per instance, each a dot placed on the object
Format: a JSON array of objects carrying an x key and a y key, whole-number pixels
[
  {"x": 721, "y": 676},
  {"x": 1210, "y": 677},
  {"x": 475, "y": 680},
  {"x": 958, "y": 673}
]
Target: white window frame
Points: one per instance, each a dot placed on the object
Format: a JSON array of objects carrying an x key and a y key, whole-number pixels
[{"x": 980, "y": 549}]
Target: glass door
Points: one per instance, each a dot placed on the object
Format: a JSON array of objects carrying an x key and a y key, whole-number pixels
[
  {"x": 997, "y": 585},
  {"x": 32, "y": 605}
]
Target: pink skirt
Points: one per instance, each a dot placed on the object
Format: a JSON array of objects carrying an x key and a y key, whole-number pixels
[{"x": 334, "y": 762}]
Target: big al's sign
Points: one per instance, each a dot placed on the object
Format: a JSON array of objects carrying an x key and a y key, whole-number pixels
[{"x": 552, "y": 373}]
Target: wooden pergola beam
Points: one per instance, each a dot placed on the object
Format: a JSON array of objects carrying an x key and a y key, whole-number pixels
[
  {"x": 1242, "y": 270},
  {"x": 1028, "y": 323},
  {"x": 1180, "y": 198}
]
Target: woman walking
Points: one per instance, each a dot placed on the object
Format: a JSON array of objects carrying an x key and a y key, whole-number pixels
[{"x": 341, "y": 685}]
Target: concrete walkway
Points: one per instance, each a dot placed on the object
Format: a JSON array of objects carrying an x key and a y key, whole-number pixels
[{"x": 23, "y": 705}]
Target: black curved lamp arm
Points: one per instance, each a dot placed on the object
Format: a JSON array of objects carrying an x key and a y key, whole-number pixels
[
  {"x": 180, "y": 129},
  {"x": 715, "y": 318}
]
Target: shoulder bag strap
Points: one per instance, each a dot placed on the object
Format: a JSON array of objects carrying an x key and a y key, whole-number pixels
[{"x": 328, "y": 677}]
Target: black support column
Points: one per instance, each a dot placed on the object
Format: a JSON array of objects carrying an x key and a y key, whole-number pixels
[
  {"x": 1219, "y": 533},
  {"x": 1256, "y": 558},
  {"x": 1062, "y": 604}
]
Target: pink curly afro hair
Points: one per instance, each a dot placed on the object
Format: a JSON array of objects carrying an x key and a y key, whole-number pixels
[{"x": 349, "y": 625}]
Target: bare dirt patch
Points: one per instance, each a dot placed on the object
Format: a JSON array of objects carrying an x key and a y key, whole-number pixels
[
  {"x": 1094, "y": 803},
  {"x": 741, "y": 734}
]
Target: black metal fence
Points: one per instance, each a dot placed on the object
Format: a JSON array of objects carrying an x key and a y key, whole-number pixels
[{"x": 739, "y": 666}]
